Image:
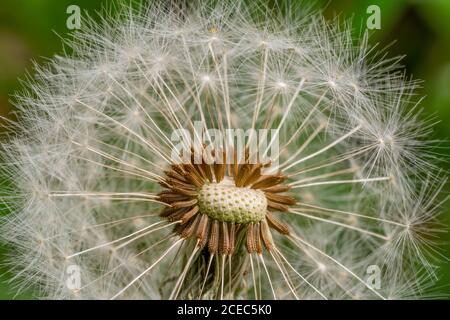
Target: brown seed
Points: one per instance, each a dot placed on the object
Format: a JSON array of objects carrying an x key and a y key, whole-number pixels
[
  {"x": 188, "y": 215},
  {"x": 170, "y": 197},
  {"x": 283, "y": 199},
  {"x": 213, "y": 243},
  {"x": 171, "y": 183},
  {"x": 184, "y": 204},
  {"x": 268, "y": 181},
  {"x": 277, "y": 224},
  {"x": 179, "y": 169},
  {"x": 189, "y": 228},
  {"x": 190, "y": 193},
  {"x": 208, "y": 171},
  {"x": 266, "y": 235},
  {"x": 220, "y": 168},
  {"x": 224, "y": 247},
  {"x": 253, "y": 175},
  {"x": 194, "y": 179},
  {"x": 277, "y": 206},
  {"x": 219, "y": 171},
  {"x": 250, "y": 243},
  {"x": 232, "y": 237},
  {"x": 279, "y": 188},
  {"x": 175, "y": 175},
  {"x": 243, "y": 171},
  {"x": 256, "y": 235},
  {"x": 202, "y": 229},
  {"x": 169, "y": 211},
  {"x": 176, "y": 216}
]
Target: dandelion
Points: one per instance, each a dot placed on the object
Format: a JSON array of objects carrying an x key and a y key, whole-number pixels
[{"x": 345, "y": 185}]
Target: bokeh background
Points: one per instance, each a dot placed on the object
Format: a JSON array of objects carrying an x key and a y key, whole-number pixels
[{"x": 31, "y": 30}]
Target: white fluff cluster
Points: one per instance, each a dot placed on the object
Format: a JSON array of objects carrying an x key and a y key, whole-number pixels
[{"x": 82, "y": 165}]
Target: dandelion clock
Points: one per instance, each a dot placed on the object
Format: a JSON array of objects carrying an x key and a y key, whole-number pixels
[{"x": 220, "y": 151}]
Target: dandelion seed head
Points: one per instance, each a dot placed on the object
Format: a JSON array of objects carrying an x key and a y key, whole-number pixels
[{"x": 92, "y": 177}]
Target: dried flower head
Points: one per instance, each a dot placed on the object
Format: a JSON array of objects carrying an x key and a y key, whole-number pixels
[{"x": 119, "y": 187}]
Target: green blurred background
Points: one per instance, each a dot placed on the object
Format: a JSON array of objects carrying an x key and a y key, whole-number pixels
[{"x": 31, "y": 30}]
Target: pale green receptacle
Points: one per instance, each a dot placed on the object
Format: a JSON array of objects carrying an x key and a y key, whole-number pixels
[{"x": 228, "y": 203}]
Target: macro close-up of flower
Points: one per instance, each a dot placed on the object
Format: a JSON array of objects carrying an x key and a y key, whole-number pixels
[{"x": 222, "y": 150}]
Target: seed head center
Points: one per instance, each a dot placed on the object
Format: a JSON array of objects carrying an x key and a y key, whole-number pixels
[{"x": 227, "y": 203}]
